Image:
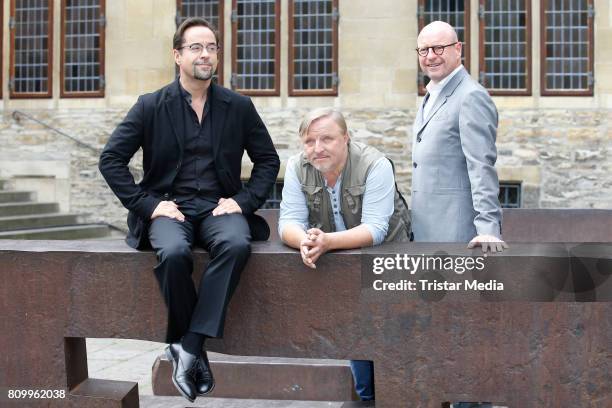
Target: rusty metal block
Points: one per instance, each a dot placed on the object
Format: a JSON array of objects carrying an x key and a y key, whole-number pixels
[
  {"x": 96, "y": 393},
  {"x": 549, "y": 352},
  {"x": 271, "y": 379}
]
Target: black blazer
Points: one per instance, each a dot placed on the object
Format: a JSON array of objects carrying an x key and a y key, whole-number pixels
[{"x": 155, "y": 124}]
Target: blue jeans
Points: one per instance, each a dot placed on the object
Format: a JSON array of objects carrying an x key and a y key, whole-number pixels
[{"x": 363, "y": 374}]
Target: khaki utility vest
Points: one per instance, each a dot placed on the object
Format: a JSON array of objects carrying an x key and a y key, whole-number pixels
[{"x": 359, "y": 161}]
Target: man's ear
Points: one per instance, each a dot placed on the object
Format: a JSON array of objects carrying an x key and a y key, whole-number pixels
[{"x": 176, "y": 54}]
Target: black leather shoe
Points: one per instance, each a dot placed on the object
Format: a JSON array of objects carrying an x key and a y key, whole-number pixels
[
  {"x": 204, "y": 381},
  {"x": 183, "y": 370}
]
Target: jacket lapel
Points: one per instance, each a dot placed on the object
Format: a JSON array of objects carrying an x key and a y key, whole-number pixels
[
  {"x": 418, "y": 121},
  {"x": 220, "y": 104},
  {"x": 174, "y": 108},
  {"x": 447, "y": 91}
]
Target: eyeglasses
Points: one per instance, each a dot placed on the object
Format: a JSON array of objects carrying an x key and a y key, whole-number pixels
[
  {"x": 437, "y": 49},
  {"x": 196, "y": 48}
]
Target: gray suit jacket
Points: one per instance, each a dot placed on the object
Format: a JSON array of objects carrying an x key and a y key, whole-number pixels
[{"x": 454, "y": 181}]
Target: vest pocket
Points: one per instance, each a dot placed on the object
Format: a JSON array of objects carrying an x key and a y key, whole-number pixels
[
  {"x": 313, "y": 196},
  {"x": 353, "y": 197},
  {"x": 314, "y": 200}
]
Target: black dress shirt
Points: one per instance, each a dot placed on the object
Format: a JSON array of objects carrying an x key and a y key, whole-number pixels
[{"x": 197, "y": 176}]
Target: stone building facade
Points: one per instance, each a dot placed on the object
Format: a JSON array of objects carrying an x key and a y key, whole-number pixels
[{"x": 559, "y": 148}]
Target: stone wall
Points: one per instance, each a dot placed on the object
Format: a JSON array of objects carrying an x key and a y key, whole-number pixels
[
  {"x": 28, "y": 149},
  {"x": 563, "y": 157},
  {"x": 565, "y": 153}
]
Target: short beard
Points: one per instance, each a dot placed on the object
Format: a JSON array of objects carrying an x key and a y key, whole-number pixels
[
  {"x": 201, "y": 76},
  {"x": 322, "y": 168}
]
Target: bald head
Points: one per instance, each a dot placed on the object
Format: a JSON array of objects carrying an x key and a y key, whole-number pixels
[
  {"x": 439, "y": 28},
  {"x": 443, "y": 36}
]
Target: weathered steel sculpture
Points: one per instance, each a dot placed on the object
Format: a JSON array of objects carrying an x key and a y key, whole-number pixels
[{"x": 545, "y": 347}]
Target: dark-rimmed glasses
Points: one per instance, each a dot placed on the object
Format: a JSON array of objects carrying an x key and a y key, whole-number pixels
[
  {"x": 437, "y": 49},
  {"x": 197, "y": 48}
]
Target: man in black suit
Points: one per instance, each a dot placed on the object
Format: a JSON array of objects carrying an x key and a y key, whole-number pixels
[{"x": 193, "y": 134}]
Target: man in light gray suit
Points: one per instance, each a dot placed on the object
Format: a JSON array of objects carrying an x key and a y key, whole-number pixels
[{"x": 454, "y": 181}]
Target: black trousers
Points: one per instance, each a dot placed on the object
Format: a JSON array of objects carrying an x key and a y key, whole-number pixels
[{"x": 227, "y": 239}]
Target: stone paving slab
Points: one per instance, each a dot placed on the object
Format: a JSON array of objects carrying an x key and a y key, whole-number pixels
[{"x": 123, "y": 360}]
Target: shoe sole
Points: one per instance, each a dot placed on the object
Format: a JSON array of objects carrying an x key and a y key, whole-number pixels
[{"x": 170, "y": 357}]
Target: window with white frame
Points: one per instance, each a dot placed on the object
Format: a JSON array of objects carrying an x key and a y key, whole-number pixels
[
  {"x": 256, "y": 47},
  {"x": 31, "y": 65},
  {"x": 505, "y": 46},
  {"x": 82, "y": 48},
  {"x": 567, "y": 47},
  {"x": 313, "y": 47}
]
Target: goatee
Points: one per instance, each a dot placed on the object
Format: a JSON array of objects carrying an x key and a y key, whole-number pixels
[{"x": 203, "y": 76}]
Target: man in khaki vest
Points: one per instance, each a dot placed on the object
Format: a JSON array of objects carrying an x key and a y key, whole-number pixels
[{"x": 340, "y": 194}]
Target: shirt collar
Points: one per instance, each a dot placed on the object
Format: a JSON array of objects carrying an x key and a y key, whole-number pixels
[
  {"x": 431, "y": 87},
  {"x": 338, "y": 182},
  {"x": 187, "y": 96}
]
